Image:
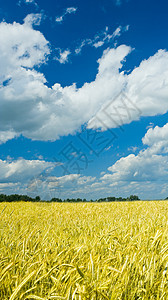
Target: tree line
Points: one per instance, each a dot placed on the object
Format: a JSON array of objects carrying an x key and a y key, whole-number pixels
[{"x": 16, "y": 198}]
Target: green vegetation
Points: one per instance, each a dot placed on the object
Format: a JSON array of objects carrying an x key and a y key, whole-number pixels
[{"x": 15, "y": 197}]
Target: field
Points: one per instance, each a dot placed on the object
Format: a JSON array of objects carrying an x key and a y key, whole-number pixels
[{"x": 84, "y": 250}]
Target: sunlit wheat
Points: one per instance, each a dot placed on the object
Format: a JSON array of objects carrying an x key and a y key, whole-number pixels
[{"x": 84, "y": 250}]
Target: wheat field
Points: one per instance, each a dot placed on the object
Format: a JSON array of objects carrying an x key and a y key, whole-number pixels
[{"x": 84, "y": 250}]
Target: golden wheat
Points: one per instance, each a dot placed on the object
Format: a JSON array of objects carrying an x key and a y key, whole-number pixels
[{"x": 84, "y": 250}]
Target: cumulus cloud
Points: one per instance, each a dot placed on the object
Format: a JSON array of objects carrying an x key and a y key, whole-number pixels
[
  {"x": 29, "y": 107},
  {"x": 145, "y": 174},
  {"x": 150, "y": 164},
  {"x": 7, "y": 135},
  {"x": 157, "y": 139},
  {"x": 33, "y": 177},
  {"x": 156, "y": 135},
  {"x": 66, "y": 186},
  {"x": 148, "y": 84},
  {"x": 145, "y": 88},
  {"x": 22, "y": 170},
  {"x": 21, "y": 47},
  {"x": 63, "y": 56},
  {"x": 49, "y": 186},
  {"x": 141, "y": 167},
  {"x": 69, "y": 10},
  {"x": 17, "y": 176}
]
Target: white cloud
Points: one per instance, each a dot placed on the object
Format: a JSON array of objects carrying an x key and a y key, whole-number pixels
[
  {"x": 156, "y": 135},
  {"x": 52, "y": 186},
  {"x": 157, "y": 139},
  {"x": 69, "y": 179},
  {"x": 101, "y": 38},
  {"x": 108, "y": 148},
  {"x": 22, "y": 170},
  {"x": 98, "y": 44},
  {"x": 21, "y": 47},
  {"x": 7, "y": 185},
  {"x": 40, "y": 157},
  {"x": 141, "y": 167},
  {"x": 147, "y": 171},
  {"x": 68, "y": 10},
  {"x": 29, "y": 107},
  {"x": 71, "y": 10},
  {"x": 27, "y": 2},
  {"x": 33, "y": 177},
  {"x": 148, "y": 83},
  {"x": 132, "y": 148},
  {"x": 71, "y": 185},
  {"x": 7, "y": 135},
  {"x": 63, "y": 56},
  {"x": 84, "y": 180},
  {"x": 33, "y": 19},
  {"x": 145, "y": 174},
  {"x": 83, "y": 43},
  {"x": 59, "y": 19},
  {"x": 150, "y": 125},
  {"x": 145, "y": 92}
]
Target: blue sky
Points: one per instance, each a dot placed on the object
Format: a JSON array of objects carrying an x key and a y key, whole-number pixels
[{"x": 84, "y": 98}]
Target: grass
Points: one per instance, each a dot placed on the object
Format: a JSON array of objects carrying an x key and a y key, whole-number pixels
[{"x": 84, "y": 250}]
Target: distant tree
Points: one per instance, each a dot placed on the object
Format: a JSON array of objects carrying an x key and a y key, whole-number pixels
[
  {"x": 111, "y": 199},
  {"x": 56, "y": 200},
  {"x": 25, "y": 198},
  {"x": 70, "y": 200},
  {"x": 78, "y": 200},
  {"x": 73, "y": 200},
  {"x": 3, "y": 198},
  {"x": 133, "y": 198},
  {"x": 101, "y": 200},
  {"x": 16, "y": 197},
  {"x": 37, "y": 198}
]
